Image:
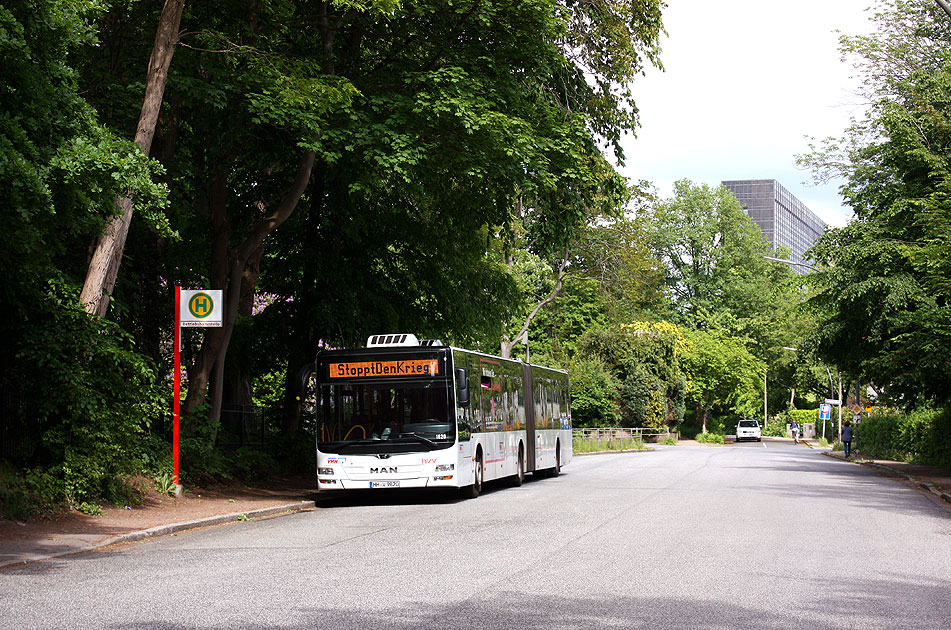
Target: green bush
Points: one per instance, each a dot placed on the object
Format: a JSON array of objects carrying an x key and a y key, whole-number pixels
[
  {"x": 922, "y": 436},
  {"x": 15, "y": 503},
  {"x": 296, "y": 453},
  {"x": 802, "y": 416},
  {"x": 594, "y": 394},
  {"x": 250, "y": 463},
  {"x": 710, "y": 438},
  {"x": 201, "y": 462},
  {"x": 92, "y": 398},
  {"x": 588, "y": 445}
]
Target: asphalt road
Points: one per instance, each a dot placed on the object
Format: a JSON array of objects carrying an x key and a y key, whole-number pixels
[{"x": 748, "y": 536}]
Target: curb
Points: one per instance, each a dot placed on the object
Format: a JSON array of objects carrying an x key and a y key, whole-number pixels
[
  {"x": 944, "y": 496},
  {"x": 627, "y": 450},
  {"x": 164, "y": 530}
]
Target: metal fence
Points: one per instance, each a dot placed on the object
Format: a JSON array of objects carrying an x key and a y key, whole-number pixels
[
  {"x": 243, "y": 425},
  {"x": 604, "y": 434}
]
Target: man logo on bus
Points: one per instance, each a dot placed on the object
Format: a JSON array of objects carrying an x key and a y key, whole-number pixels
[{"x": 201, "y": 305}]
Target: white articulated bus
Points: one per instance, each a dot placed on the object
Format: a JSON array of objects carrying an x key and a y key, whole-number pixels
[{"x": 402, "y": 413}]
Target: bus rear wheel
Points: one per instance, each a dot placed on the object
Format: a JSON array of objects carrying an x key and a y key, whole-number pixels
[
  {"x": 557, "y": 469},
  {"x": 519, "y": 476}
]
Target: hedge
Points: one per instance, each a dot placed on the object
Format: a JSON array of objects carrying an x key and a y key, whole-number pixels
[{"x": 921, "y": 437}]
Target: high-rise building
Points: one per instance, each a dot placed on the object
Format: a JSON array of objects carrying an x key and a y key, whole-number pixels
[{"x": 783, "y": 219}]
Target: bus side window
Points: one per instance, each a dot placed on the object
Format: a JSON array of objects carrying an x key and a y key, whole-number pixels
[
  {"x": 540, "y": 405},
  {"x": 546, "y": 405}
]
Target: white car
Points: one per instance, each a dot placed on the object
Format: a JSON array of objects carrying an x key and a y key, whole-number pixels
[{"x": 748, "y": 430}]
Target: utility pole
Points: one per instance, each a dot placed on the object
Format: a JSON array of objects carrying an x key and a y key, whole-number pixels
[{"x": 840, "y": 408}]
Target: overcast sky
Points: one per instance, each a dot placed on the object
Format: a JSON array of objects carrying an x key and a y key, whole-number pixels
[{"x": 745, "y": 82}]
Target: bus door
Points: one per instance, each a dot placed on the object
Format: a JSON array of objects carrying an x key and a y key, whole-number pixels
[{"x": 529, "y": 417}]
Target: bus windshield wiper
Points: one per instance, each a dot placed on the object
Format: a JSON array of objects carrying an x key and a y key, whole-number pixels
[
  {"x": 363, "y": 442},
  {"x": 422, "y": 439}
]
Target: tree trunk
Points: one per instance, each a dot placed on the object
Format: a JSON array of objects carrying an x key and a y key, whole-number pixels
[
  {"x": 200, "y": 374},
  {"x": 213, "y": 357},
  {"x": 301, "y": 351},
  {"x": 104, "y": 266},
  {"x": 507, "y": 346},
  {"x": 213, "y": 351}
]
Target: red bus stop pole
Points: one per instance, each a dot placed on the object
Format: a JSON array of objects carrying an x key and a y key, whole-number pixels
[{"x": 177, "y": 386}]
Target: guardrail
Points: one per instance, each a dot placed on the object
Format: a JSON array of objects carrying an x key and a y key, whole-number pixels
[{"x": 604, "y": 434}]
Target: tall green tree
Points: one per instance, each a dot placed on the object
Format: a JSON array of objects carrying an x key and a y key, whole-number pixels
[
  {"x": 637, "y": 366},
  {"x": 883, "y": 296},
  {"x": 713, "y": 255},
  {"x": 611, "y": 278},
  {"x": 358, "y": 159},
  {"x": 75, "y": 394},
  {"x": 721, "y": 375}
]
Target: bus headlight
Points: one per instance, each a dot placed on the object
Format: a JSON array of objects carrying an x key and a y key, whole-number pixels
[
  {"x": 325, "y": 471},
  {"x": 445, "y": 467}
]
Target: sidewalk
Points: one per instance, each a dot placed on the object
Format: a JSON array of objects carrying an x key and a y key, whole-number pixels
[
  {"x": 931, "y": 479},
  {"x": 156, "y": 515}
]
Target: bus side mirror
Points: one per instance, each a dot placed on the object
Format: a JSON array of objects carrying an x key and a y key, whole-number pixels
[
  {"x": 302, "y": 381},
  {"x": 462, "y": 387}
]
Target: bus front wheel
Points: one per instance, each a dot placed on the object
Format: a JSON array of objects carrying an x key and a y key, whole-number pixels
[{"x": 473, "y": 491}]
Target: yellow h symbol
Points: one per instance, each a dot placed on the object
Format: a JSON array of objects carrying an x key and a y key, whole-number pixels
[{"x": 200, "y": 305}]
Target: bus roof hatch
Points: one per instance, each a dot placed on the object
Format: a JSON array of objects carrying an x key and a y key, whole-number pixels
[{"x": 382, "y": 341}]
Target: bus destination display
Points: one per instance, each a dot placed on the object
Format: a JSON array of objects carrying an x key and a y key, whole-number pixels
[{"x": 364, "y": 369}]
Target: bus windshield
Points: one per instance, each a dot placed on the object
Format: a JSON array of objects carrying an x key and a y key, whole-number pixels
[{"x": 390, "y": 417}]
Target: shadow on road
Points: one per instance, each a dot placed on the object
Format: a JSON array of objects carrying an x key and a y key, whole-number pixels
[{"x": 882, "y": 603}]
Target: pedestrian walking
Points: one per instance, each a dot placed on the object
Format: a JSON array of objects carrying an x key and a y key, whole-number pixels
[
  {"x": 847, "y": 433},
  {"x": 794, "y": 428}
]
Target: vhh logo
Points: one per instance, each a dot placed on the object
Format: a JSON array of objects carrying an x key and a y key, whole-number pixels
[{"x": 201, "y": 305}]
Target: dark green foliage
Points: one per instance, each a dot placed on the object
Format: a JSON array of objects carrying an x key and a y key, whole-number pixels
[
  {"x": 430, "y": 123},
  {"x": 594, "y": 394},
  {"x": 644, "y": 373},
  {"x": 557, "y": 330},
  {"x": 200, "y": 462},
  {"x": 921, "y": 437},
  {"x": 884, "y": 294},
  {"x": 252, "y": 464},
  {"x": 643, "y": 396},
  {"x": 295, "y": 453},
  {"x": 91, "y": 395},
  {"x": 75, "y": 395}
]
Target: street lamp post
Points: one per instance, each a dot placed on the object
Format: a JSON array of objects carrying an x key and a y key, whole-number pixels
[
  {"x": 791, "y": 262},
  {"x": 831, "y": 388}
]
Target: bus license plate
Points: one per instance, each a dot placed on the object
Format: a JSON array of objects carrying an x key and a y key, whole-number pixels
[{"x": 384, "y": 484}]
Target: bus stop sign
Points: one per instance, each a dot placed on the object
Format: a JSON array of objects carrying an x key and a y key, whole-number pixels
[{"x": 201, "y": 308}]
